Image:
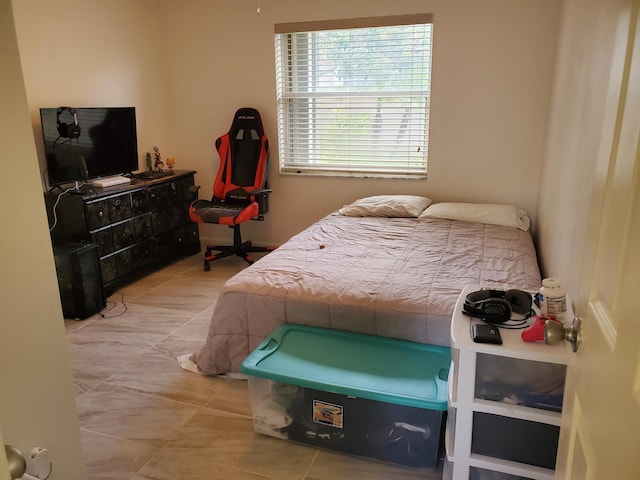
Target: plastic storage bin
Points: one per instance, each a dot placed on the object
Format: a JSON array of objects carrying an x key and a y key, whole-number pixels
[{"x": 359, "y": 394}]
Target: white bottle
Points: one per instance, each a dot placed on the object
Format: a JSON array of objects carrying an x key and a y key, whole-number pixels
[{"x": 553, "y": 300}]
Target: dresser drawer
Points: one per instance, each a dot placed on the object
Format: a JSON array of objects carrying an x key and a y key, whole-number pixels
[
  {"x": 136, "y": 257},
  {"x": 166, "y": 195},
  {"x": 132, "y": 231},
  {"x": 104, "y": 241},
  {"x": 120, "y": 207},
  {"x": 98, "y": 214},
  {"x": 169, "y": 218}
]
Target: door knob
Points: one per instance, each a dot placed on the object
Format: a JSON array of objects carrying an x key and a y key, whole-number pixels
[
  {"x": 555, "y": 332},
  {"x": 16, "y": 461}
]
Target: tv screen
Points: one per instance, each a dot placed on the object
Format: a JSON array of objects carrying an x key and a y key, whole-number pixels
[{"x": 86, "y": 143}]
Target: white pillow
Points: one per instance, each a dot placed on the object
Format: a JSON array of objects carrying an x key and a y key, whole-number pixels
[
  {"x": 507, "y": 215},
  {"x": 386, "y": 206}
]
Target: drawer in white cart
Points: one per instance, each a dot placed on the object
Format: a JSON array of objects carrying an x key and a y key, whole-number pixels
[{"x": 518, "y": 381}]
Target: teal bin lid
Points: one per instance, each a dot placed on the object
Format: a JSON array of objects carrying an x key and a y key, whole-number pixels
[{"x": 357, "y": 365}]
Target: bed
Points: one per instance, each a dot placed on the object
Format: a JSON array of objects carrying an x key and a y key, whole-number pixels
[{"x": 393, "y": 271}]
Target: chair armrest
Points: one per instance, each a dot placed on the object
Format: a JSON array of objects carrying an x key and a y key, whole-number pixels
[
  {"x": 260, "y": 191},
  {"x": 262, "y": 198}
]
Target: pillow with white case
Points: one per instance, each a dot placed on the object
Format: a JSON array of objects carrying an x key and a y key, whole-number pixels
[
  {"x": 386, "y": 206},
  {"x": 507, "y": 215}
]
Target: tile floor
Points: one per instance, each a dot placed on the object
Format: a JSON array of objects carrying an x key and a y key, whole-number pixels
[{"x": 142, "y": 417}]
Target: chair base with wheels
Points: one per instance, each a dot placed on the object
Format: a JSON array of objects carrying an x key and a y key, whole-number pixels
[{"x": 239, "y": 248}]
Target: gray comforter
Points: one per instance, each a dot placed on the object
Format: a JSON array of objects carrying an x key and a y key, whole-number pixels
[{"x": 392, "y": 277}]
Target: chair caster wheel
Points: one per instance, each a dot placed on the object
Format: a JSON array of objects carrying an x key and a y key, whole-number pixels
[{"x": 207, "y": 267}]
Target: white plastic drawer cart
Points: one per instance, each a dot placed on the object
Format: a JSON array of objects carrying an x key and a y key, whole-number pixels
[{"x": 505, "y": 404}]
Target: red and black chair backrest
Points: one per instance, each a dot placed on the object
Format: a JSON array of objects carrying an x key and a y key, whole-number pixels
[{"x": 244, "y": 158}]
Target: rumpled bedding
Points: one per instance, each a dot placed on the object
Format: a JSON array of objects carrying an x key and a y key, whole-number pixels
[{"x": 391, "y": 277}]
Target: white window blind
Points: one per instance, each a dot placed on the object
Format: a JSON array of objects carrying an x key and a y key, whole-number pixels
[{"x": 353, "y": 96}]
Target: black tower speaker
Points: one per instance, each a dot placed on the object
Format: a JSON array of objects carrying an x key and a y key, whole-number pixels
[{"x": 79, "y": 279}]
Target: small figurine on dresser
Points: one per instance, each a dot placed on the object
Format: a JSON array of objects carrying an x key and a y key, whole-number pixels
[
  {"x": 171, "y": 163},
  {"x": 158, "y": 163},
  {"x": 147, "y": 158}
]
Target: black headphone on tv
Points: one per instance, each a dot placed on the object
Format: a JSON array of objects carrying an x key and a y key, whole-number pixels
[
  {"x": 67, "y": 130},
  {"x": 496, "y": 306}
]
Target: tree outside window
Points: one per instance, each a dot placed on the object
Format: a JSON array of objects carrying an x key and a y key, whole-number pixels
[{"x": 354, "y": 101}]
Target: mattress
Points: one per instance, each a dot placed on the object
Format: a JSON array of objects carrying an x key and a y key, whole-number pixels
[{"x": 391, "y": 277}]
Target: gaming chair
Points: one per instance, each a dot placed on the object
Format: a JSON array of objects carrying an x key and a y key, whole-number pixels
[{"x": 240, "y": 189}]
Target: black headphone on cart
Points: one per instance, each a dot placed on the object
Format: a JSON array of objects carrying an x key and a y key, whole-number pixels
[
  {"x": 496, "y": 306},
  {"x": 67, "y": 130}
]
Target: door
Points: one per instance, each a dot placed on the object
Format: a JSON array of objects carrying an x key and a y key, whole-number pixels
[{"x": 600, "y": 435}]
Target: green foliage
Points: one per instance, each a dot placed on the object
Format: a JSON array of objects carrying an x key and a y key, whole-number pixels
[{"x": 371, "y": 57}]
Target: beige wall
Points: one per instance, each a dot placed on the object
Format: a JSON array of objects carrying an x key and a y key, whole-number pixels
[
  {"x": 492, "y": 71},
  {"x": 37, "y": 399},
  {"x": 581, "y": 125},
  {"x": 188, "y": 65},
  {"x": 86, "y": 54}
]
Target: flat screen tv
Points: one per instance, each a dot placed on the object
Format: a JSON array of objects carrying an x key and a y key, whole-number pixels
[{"x": 86, "y": 143}]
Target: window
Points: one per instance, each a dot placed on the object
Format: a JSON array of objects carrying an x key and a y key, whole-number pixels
[{"x": 353, "y": 96}]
